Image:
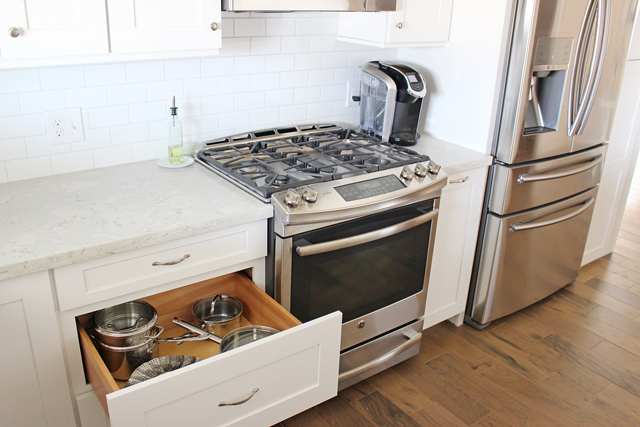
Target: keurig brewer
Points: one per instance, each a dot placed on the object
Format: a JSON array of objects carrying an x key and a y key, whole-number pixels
[{"x": 390, "y": 101}]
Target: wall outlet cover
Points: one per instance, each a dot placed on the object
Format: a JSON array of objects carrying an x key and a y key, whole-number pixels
[{"x": 64, "y": 126}]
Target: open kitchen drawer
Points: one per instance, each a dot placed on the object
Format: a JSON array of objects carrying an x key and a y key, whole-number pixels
[{"x": 292, "y": 370}]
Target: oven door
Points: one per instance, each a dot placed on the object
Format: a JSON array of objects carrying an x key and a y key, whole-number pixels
[{"x": 373, "y": 269}]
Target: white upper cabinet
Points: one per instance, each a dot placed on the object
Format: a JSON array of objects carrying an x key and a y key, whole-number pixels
[
  {"x": 164, "y": 25},
  {"x": 46, "y": 28},
  {"x": 415, "y": 23}
]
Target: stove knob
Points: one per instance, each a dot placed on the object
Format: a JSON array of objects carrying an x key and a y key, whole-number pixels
[
  {"x": 433, "y": 168},
  {"x": 420, "y": 171},
  {"x": 407, "y": 173},
  {"x": 309, "y": 195},
  {"x": 292, "y": 198}
]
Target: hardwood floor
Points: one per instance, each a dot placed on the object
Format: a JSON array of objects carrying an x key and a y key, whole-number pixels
[{"x": 572, "y": 359}]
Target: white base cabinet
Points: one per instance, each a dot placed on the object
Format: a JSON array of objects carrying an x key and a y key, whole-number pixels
[
  {"x": 35, "y": 390},
  {"x": 454, "y": 249},
  {"x": 274, "y": 378},
  {"x": 415, "y": 23}
]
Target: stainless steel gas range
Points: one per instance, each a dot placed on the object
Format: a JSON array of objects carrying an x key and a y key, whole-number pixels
[{"x": 353, "y": 230}]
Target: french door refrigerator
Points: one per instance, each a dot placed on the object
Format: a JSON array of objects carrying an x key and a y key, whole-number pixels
[{"x": 561, "y": 83}]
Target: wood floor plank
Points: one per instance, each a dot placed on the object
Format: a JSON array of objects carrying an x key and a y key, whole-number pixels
[
  {"x": 493, "y": 420},
  {"x": 357, "y": 391},
  {"x": 438, "y": 417},
  {"x": 624, "y": 378},
  {"x": 440, "y": 389},
  {"x": 531, "y": 393},
  {"x": 305, "y": 419},
  {"x": 382, "y": 412},
  {"x": 623, "y": 400},
  {"x": 528, "y": 326},
  {"x": 618, "y": 355},
  {"x": 606, "y": 275},
  {"x": 337, "y": 412},
  {"x": 604, "y": 300},
  {"x": 466, "y": 352},
  {"x": 614, "y": 291},
  {"x": 616, "y": 320},
  {"x": 428, "y": 351},
  {"x": 583, "y": 402},
  {"x": 619, "y": 269},
  {"x": 401, "y": 392},
  {"x": 494, "y": 397}
]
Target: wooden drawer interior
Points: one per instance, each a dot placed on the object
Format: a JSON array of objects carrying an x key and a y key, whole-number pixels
[{"x": 258, "y": 309}]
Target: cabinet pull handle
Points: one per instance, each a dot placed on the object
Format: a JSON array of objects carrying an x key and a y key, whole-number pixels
[
  {"x": 240, "y": 402},
  {"x": 459, "y": 181},
  {"x": 214, "y": 26},
  {"x": 14, "y": 32},
  {"x": 172, "y": 262},
  {"x": 399, "y": 25}
]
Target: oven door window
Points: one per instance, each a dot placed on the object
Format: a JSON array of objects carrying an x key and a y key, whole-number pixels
[{"x": 360, "y": 279}]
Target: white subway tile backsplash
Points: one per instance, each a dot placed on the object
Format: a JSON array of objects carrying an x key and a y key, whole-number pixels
[
  {"x": 107, "y": 74},
  {"x": 272, "y": 70},
  {"x": 20, "y": 126},
  {"x": 280, "y": 27},
  {"x": 253, "y": 27},
  {"x": 306, "y": 95},
  {"x": 16, "y": 81},
  {"x": 108, "y": 116},
  {"x": 293, "y": 79},
  {"x": 265, "y": 45},
  {"x": 34, "y": 167},
  {"x": 61, "y": 77},
  {"x": 235, "y": 120},
  {"x": 249, "y": 64},
  {"x": 72, "y": 162},
  {"x": 86, "y": 97},
  {"x": 278, "y": 98},
  {"x": 127, "y": 134},
  {"x": 111, "y": 156},
  {"x": 9, "y": 105},
  {"x": 249, "y": 101},
  {"x": 38, "y": 102},
  {"x": 308, "y": 61},
  {"x": 264, "y": 81},
  {"x": 165, "y": 90},
  {"x": 144, "y": 71},
  {"x": 275, "y": 63},
  {"x": 148, "y": 111},
  {"x": 182, "y": 69},
  {"x": 12, "y": 149},
  {"x": 126, "y": 93}
]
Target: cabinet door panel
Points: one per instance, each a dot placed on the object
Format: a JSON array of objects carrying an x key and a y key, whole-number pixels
[
  {"x": 32, "y": 362},
  {"x": 163, "y": 25},
  {"x": 421, "y": 21},
  {"x": 53, "y": 28}
]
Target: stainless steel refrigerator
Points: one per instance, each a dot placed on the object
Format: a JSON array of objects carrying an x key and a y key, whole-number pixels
[{"x": 561, "y": 83}]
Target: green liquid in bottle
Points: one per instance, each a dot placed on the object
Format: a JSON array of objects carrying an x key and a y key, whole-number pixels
[{"x": 175, "y": 154}]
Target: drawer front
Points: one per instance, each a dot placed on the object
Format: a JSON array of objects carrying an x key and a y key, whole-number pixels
[
  {"x": 292, "y": 371},
  {"x": 111, "y": 276}
]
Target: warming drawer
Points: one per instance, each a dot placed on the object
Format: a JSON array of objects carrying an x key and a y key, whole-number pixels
[{"x": 287, "y": 373}]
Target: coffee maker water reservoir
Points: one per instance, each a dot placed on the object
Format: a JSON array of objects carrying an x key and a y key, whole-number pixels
[{"x": 390, "y": 101}]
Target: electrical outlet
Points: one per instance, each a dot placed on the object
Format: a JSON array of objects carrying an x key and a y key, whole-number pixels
[
  {"x": 64, "y": 126},
  {"x": 353, "y": 89}
]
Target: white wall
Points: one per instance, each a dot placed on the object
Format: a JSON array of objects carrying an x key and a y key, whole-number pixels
[
  {"x": 273, "y": 70},
  {"x": 464, "y": 76}
]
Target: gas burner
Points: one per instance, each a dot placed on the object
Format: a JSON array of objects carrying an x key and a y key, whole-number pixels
[
  {"x": 248, "y": 168},
  {"x": 328, "y": 170},
  {"x": 280, "y": 180},
  {"x": 377, "y": 161}
]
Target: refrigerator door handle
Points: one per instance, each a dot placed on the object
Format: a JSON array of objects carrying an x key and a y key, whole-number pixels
[
  {"x": 555, "y": 175},
  {"x": 519, "y": 226},
  {"x": 583, "y": 92}
]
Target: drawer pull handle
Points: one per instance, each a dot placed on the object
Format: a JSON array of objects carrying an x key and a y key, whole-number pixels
[
  {"x": 459, "y": 181},
  {"x": 253, "y": 393},
  {"x": 172, "y": 262}
]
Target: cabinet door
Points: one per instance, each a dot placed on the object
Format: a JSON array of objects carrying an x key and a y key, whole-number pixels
[
  {"x": 454, "y": 249},
  {"x": 163, "y": 25},
  {"x": 34, "y": 391},
  {"x": 420, "y": 21},
  {"x": 45, "y": 28}
]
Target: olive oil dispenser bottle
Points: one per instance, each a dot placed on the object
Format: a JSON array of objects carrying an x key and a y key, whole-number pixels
[{"x": 175, "y": 136}]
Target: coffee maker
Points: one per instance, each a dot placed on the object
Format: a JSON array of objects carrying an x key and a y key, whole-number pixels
[{"x": 390, "y": 101}]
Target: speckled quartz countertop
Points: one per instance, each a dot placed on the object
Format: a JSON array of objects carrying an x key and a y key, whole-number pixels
[
  {"x": 453, "y": 158},
  {"x": 64, "y": 219},
  {"x": 60, "y": 220}
]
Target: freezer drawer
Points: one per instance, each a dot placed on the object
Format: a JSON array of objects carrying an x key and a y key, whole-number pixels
[
  {"x": 262, "y": 383},
  {"x": 528, "y": 256},
  {"x": 526, "y": 186}
]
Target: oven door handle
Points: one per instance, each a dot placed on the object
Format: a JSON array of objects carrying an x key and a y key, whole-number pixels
[
  {"x": 347, "y": 242},
  {"x": 382, "y": 359}
]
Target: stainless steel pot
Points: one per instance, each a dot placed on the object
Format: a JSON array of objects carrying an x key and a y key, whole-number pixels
[
  {"x": 218, "y": 314},
  {"x": 126, "y": 336},
  {"x": 234, "y": 339}
]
